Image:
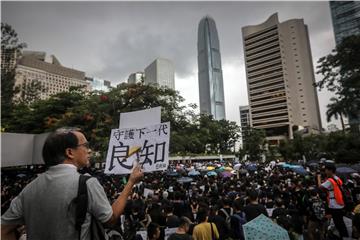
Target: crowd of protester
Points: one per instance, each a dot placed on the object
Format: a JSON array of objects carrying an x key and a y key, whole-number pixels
[{"x": 160, "y": 201}]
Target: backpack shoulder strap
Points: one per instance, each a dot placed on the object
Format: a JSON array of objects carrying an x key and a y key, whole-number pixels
[
  {"x": 81, "y": 202},
  {"x": 225, "y": 212}
]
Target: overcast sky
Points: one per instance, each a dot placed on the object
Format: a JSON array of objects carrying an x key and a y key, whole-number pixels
[{"x": 110, "y": 40}]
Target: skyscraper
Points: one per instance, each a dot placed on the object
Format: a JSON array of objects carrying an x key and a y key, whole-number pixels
[
  {"x": 211, "y": 87},
  {"x": 345, "y": 18},
  {"x": 160, "y": 72},
  {"x": 280, "y": 78}
]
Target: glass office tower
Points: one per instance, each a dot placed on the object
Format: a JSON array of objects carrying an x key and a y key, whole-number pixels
[{"x": 211, "y": 88}]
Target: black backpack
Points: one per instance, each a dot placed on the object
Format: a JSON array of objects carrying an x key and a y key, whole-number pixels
[{"x": 97, "y": 230}]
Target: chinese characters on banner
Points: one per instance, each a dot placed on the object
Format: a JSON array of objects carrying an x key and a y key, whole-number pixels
[{"x": 148, "y": 145}]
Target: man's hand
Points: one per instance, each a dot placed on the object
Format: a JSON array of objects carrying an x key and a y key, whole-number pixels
[{"x": 136, "y": 175}]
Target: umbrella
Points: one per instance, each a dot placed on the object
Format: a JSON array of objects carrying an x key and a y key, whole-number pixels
[
  {"x": 251, "y": 167},
  {"x": 193, "y": 173},
  {"x": 312, "y": 161},
  {"x": 21, "y": 175},
  {"x": 212, "y": 173},
  {"x": 338, "y": 165},
  {"x": 243, "y": 171},
  {"x": 356, "y": 167},
  {"x": 210, "y": 168},
  {"x": 263, "y": 227},
  {"x": 345, "y": 170},
  {"x": 220, "y": 169},
  {"x": 300, "y": 170},
  {"x": 181, "y": 170},
  {"x": 172, "y": 174},
  {"x": 185, "y": 180},
  {"x": 226, "y": 174},
  {"x": 314, "y": 164},
  {"x": 228, "y": 169},
  {"x": 237, "y": 166}
]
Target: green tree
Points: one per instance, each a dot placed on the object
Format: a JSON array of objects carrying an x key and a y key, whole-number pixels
[
  {"x": 341, "y": 74},
  {"x": 30, "y": 91},
  {"x": 254, "y": 145},
  {"x": 10, "y": 52},
  {"x": 336, "y": 109}
]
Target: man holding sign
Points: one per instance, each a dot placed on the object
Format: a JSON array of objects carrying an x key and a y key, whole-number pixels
[{"x": 45, "y": 205}]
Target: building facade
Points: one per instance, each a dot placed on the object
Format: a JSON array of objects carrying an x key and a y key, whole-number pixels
[
  {"x": 345, "y": 17},
  {"x": 280, "y": 78},
  {"x": 211, "y": 87},
  {"x": 8, "y": 60},
  {"x": 136, "y": 77},
  {"x": 244, "y": 120},
  {"x": 52, "y": 75},
  {"x": 98, "y": 84},
  {"x": 160, "y": 72}
]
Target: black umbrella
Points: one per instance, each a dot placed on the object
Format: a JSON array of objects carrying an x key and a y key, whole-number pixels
[
  {"x": 345, "y": 170},
  {"x": 356, "y": 167}
]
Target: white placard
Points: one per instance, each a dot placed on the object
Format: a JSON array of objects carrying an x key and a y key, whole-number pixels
[
  {"x": 168, "y": 232},
  {"x": 147, "y": 192},
  {"x": 140, "y": 118},
  {"x": 154, "y": 149},
  {"x": 143, "y": 234}
]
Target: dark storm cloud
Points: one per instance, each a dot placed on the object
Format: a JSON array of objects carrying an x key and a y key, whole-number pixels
[
  {"x": 139, "y": 32},
  {"x": 110, "y": 40}
]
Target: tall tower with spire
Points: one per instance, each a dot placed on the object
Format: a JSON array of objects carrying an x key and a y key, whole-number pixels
[{"x": 211, "y": 87}]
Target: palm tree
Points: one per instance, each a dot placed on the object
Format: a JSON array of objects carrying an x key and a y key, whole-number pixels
[{"x": 336, "y": 109}]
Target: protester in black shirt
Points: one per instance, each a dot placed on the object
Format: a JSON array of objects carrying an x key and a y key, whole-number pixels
[
  {"x": 172, "y": 221},
  {"x": 254, "y": 209},
  {"x": 182, "y": 230}
]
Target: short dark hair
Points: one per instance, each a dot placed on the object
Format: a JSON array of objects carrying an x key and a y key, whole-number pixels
[
  {"x": 151, "y": 230},
  {"x": 330, "y": 166},
  {"x": 238, "y": 204},
  {"x": 184, "y": 221},
  {"x": 202, "y": 214},
  {"x": 56, "y": 143},
  {"x": 253, "y": 194}
]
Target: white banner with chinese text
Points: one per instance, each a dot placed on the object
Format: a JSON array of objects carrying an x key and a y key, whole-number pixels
[{"x": 149, "y": 145}]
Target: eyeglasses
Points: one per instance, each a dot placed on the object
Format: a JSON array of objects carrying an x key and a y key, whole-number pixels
[{"x": 86, "y": 144}]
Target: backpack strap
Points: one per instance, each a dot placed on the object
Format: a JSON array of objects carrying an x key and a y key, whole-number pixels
[
  {"x": 225, "y": 212},
  {"x": 81, "y": 203},
  {"x": 212, "y": 232}
]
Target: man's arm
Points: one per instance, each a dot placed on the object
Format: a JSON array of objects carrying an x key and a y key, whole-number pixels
[
  {"x": 119, "y": 205},
  {"x": 8, "y": 232}
]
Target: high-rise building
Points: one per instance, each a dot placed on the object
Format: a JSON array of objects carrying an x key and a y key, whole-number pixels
[
  {"x": 244, "y": 120},
  {"x": 211, "y": 87},
  {"x": 280, "y": 78},
  {"x": 136, "y": 77},
  {"x": 346, "y": 22},
  {"x": 160, "y": 72},
  {"x": 98, "y": 84},
  {"x": 345, "y": 18},
  {"x": 52, "y": 75}
]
